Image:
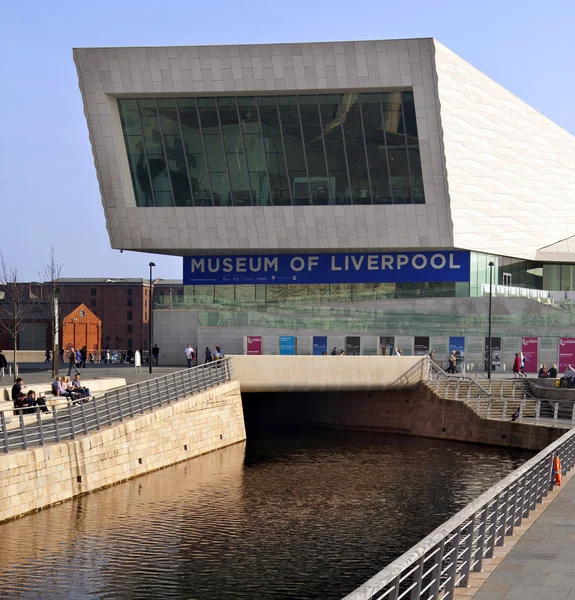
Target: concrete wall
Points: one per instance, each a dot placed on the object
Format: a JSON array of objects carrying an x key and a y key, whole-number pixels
[
  {"x": 26, "y": 356},
  {"x": 39, "y": 477},
  {"x": 419, "y": 412},
  {"x": 316, "y": 373}
]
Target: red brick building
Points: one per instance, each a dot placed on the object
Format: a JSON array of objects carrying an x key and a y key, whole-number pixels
[
  {"x": 123, "y": 306},
  {"x": 81, "y": 328}
]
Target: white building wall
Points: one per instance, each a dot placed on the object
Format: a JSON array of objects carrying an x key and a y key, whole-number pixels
[{"x": 510, "y": 170}]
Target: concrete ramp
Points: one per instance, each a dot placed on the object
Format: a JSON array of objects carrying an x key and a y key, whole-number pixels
[{"x": 325, "y": 373}]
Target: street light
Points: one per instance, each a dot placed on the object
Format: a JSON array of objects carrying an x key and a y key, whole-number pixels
[
  {"x": 150, "y": 313},
  {"x": 491, "y": 265}
]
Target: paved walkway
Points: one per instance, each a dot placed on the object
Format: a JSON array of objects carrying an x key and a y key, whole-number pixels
[
  {"x": 94, "y": 372},
  {"x": 541, "y": 562}
]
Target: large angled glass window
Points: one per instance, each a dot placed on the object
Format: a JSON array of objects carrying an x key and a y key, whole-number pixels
[{"x": 273, "y": 150}]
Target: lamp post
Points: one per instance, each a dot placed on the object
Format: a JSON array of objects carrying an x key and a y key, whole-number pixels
[
  {"x": 491, "y": 265},
  {"x": 150, "y": 316}
]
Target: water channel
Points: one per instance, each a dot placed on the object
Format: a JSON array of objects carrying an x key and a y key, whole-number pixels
[{"x": 297, "y": 513}]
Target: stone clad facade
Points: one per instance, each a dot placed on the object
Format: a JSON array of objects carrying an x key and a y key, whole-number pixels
[{"x": 486, "y": 156}]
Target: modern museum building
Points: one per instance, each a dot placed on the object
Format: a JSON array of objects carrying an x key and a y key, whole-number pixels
[{"x": 349, "y": 194}]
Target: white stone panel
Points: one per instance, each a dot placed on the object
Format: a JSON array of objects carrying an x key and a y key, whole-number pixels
[{"x": 509, "y": 169}]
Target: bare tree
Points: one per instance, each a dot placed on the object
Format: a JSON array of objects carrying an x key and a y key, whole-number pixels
[
  {"x": 50, "y": 275},
  {"x": 15, "y": 304}
]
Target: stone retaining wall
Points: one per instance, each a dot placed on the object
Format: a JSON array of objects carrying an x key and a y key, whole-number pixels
[
  {"x": 420, "y": 412},
  {"x": 36, "y": 478}
]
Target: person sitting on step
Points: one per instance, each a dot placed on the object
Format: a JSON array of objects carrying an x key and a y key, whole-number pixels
[
  {"x": 39, "y": 402},
  {"x": 568, "y": 377},
  {"x": 21, "y": 406},
  {"x": 78, "y": 387}
]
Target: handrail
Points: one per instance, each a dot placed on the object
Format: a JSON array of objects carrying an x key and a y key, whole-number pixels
[
  {"x": 460, "y": 545},
  {"x": 435, "y": 367},
  {"x": 19, "y": 431}
]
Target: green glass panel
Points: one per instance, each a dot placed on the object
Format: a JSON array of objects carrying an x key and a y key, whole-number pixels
[
  {"x": 190, "y": 125},
  {"x": 410, "y": 122},
  {"x": 416, "y": 176},
  {"x": 239, "y": 179},
  {"x": 270, "y": 124},
  {"x": 230, "y": 125},
  {"x": 249, "y": 115},
  {"x": 294, "y": 149},
  {"x": 155, "y": 151},
  {"x": 135, "y": 152},
  {"x": 332, "y": 117},
  {"x": 220, "y": 188},
  {"x": 399, "y": 171},
  {"x": 174, "y": 148},
  {"x": 129, "y": 117},
  {"x": 199, "y": 178},
  {"x": 313, "y": 145}
]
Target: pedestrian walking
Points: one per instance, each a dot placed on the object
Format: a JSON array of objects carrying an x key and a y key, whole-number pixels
[
  {"x": 72, "y": 364},
  {"x": 83, "y": 357},
  {"x": 190, "y": 355},
  {"x": 517, "y": 365},
  {"x": 452, "y": 362},
  {"x": 209, "y": 356}
]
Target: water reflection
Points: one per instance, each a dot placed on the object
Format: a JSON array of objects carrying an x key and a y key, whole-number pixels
[{"x": 303, "y": 514}]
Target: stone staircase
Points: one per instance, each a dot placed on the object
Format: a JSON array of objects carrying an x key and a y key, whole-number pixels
[{"x": 497, "y": 399}]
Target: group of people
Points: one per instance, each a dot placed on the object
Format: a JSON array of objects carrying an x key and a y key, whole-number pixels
[
  {"x": 27, "y": 403},
  {"x": 79, "y": 356},
  {"x": 519, "y": 365},
  {"x": 62, "y": 386},
  {"x": 551, "y": 372},
  {"x": 211, "y": 356}
]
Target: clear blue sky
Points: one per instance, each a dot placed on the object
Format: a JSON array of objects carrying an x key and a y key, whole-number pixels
[{"x": 49, "y": 192}]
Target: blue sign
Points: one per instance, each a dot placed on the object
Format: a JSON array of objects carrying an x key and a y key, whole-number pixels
[
  {"x": 319, "y": 344},
  {"x": 369, "y": 267},
  {"x": 287, "y": 345},
  {"x": 457, "y": 343}
]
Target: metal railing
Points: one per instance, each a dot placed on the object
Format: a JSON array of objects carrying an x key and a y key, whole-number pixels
[
  {"x": 443, "y": 560},
  {"x": 499, "y": 406},
  {"x": 21, "y": 431},
  {"x": 436, "y": 373}
]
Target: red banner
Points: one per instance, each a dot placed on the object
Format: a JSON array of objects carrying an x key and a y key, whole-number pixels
[
  {"x": 530, "y": 349},
  {"x": 566, "y": 353},
  {"x": 254, "y": 344}
]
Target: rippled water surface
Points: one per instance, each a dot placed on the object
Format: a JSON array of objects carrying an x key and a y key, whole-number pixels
[{"x": 305, "y": 513}]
